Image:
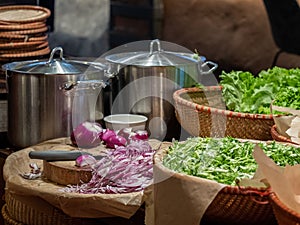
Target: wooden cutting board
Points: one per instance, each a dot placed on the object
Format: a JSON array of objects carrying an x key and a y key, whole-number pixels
[{"x": 66, "y": 172}]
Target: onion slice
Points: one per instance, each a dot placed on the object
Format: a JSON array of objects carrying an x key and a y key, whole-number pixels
[{"x": 85, "y": 160}]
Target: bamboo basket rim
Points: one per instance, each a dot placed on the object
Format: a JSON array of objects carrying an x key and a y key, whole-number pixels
[
  {"x": 39, "y": 52},
  {"x": 24, "y": 38},
  {"x": 24, "y": 26},
  {"x": 278, "y": 137},
  {"x": 25, "y": 31},
  {"x": 33, "y": 31},
  {"x": 274, "y": 198},
  {"x": 45, "y": 13},
  {"x": 177, "y": 95},
  {"x": 25, "y": 48},
  {"x": 16, "y": 45}
]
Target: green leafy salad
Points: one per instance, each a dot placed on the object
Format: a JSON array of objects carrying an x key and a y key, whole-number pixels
[
  {"x": 224, "y": 160},
  {"x": 244, "y": 92}
]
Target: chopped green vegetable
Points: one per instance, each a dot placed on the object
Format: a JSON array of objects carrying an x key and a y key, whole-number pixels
[{"x": 224, "y": 160}]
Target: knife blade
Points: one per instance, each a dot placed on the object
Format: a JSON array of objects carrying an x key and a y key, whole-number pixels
[{"x": 59, "y": 155}]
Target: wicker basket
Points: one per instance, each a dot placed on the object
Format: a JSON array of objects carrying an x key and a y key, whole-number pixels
[
  {"x": 202, "y": 113},
  {"x": 32, "y": 210},
  {"x": 232, "y": 205},
  {"x": 6, "y": 217},
  {"x": 283, "y": 214}
]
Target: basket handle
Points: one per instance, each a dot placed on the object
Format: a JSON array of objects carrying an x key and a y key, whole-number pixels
[{"x": 256, "y": 195}]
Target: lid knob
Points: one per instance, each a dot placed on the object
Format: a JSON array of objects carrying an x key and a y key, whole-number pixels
[
  {"x": 156, "y": 41},
  {"x": 56, "y": 49}
]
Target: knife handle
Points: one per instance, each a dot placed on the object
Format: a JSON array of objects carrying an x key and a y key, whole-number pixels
[{"x": 56, "y": 155}]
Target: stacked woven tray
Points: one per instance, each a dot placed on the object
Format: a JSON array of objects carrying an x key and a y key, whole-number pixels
[{"x": 23, "y": 32}]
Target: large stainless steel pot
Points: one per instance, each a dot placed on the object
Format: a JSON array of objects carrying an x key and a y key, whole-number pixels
[
  {"x": 143, "y": 82},
  {"x": 47, "y": 98}
]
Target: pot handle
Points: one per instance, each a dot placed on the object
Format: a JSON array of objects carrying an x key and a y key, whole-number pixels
[
  {"x": 71, "y": 86},
  {"x": 56, "y": 49},
  {"x": 212, "y": 69}
]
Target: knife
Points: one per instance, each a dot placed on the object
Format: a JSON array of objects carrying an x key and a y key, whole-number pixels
[{"x": 59, "y": 155}]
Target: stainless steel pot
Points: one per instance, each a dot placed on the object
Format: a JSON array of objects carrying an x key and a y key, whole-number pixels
[
  {"x": 47, "y": 98},
  {"x": 143, "y": 83}
]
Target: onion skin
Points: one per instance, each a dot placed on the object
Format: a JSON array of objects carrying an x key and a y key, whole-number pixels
[{"x": 87, "y": 135}]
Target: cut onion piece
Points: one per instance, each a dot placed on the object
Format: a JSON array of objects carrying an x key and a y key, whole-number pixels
[
  {"x": 140, "y": 135},
  {"x": 107, "y": 134},
  {"x": 85, "y": 160},
  {"x": 87, "y": 135},
  {"x": 116, "y": 140}
]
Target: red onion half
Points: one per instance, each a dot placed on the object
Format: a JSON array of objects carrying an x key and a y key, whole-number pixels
[{"x": 87, "y": 135}]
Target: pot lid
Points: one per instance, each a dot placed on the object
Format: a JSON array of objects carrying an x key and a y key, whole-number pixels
[
  {"x": 52, "y": 66},
  {"x": 154, "y": 58}
]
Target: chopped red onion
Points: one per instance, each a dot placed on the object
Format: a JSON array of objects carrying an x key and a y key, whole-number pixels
[{"x": 125, "y": 169}]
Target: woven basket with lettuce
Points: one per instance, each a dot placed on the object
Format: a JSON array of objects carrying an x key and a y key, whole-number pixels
[
  {"x": 239, "y": 107},
  {"x": 216, "y": 181}
]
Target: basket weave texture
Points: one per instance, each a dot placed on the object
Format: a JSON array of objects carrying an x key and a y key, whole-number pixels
[
  {"x": 283, "y": 214},
  {"x": 202, "y": 113},
  {"x": 39, "y": 212},
  {"x": 6, "y": 217},
  {"x": 239, "y": 205},
  {"x": 19, "y": 211}
]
